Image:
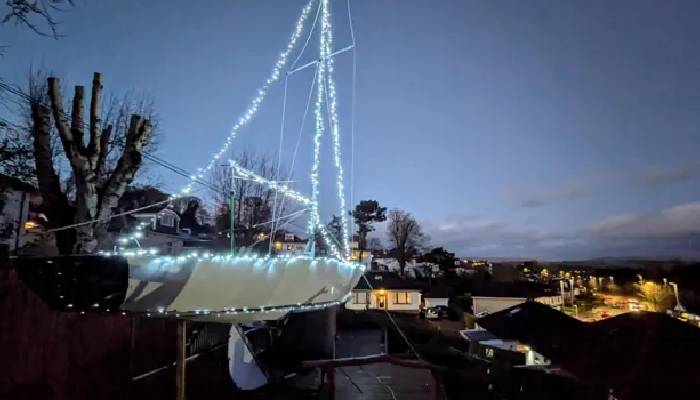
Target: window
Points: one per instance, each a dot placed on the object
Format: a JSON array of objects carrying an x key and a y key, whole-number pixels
[
  {"x": 402, "y": 298},
  {"x": 167, "y": 220},
  {"x": 359, "y": 297},
  {"x": 288, "y": 237}
]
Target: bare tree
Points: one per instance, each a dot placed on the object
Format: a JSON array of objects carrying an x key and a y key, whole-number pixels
[
  {"x": 405, "y": 234},
  {"x": 24, "y": 12},
  {"x": 254, "y": 202},
  {"x": 94, "y": 197}
]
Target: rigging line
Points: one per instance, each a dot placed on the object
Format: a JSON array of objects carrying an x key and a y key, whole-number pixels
[
  {"x": 310, "y": 63},
  {"x": 303, "y": 210},
  {"x": 279, "y": 158},
  {"x": 301, "y": 130},
  {"x": 353, "y": 105},
  {"x": 308, "y": 38},
  {"x": 388, "y": 314},
  {"x": 338, "y": 167}
]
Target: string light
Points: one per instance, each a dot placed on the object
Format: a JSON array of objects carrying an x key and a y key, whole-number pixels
[
  {"x": 284, "y": 189},
  {"x": 326, "y": 30},
  {"x": 325, "y": 97},
  {"x": 261, "y": 94},
  {"x": 314, "y": 218}
]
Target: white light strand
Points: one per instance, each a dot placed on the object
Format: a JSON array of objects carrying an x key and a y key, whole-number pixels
[
  {"x": 276, "y": 186},
  {"x": 314, "y": 218},
  {"x": 334, "y": 124},
  {"x": 254, "y": 106}
]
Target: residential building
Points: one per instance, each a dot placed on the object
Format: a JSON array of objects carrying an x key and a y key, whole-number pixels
[
  {"x": 486, "y": 346},
  {"x": 163, "y": 221},
  {"x": 385, "y": 290},
  {"x": 496, "y": 297},
  {"x": 289, "y": 243},
  {"x": 16, "y": 219}
]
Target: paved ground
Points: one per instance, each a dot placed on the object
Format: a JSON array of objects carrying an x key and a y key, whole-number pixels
[{"x": 377, "y": 381}]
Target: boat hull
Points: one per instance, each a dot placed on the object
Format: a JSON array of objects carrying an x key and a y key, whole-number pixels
[{"x": 202, "y": 287}]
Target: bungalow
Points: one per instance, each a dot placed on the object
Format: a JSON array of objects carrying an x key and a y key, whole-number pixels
[
  {"x": 385, "y": 290},
  {"x": 496, "y": 297}
]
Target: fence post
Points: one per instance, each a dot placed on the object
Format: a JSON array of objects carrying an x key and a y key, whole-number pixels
[{"x": 180, "y": 360}]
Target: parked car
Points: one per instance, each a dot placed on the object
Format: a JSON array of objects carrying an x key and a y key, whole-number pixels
[{"x": 436, "y": 312}]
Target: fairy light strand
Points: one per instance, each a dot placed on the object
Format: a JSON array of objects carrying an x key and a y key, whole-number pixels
[
  {"x": 260, "y": 96},
  {"x": 335, "y": 125}
]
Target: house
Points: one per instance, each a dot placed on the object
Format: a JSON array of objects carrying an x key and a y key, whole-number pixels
[
  {"x": 161, "y": 230},
  {"x": 639, "y": 355},
  {"x": 486, "y": 346},
  {"x": 412, "y": 268},
  {"x": 385, "y": 290},
  {"x": 163, "y": 221},
  {"x": 289, "y": 243},
  {"x": 499, "y": 296},
  {"x": 16, "y": 219}
]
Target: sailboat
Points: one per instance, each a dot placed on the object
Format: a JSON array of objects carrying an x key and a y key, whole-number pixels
[{"x": 224, "y": 287}]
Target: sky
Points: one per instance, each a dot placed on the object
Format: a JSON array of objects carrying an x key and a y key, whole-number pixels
[{"x": 547, "y": 129}]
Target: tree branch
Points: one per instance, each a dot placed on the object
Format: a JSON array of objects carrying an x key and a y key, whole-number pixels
[
  {"x": 59, "y": 116},
  {"x": 95, "y": 147},
  {"x": 138, "y": 134},
  {"x": 102, "y": 156},
  {"x": 78, "y": 118},
  {"x": 49, "y": 182}
]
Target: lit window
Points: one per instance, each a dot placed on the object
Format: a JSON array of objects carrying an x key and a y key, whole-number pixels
[
  {"x": 402, "y": 298},
  {"x": 29, "y": 225},
  {"x": 359, "y": 298}
]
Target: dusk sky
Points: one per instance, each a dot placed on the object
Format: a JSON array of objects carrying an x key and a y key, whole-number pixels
[{"x": 549, "y": 129}]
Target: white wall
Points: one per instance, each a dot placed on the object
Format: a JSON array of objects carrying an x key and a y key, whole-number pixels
[
  {"x": 494, "y": 304},
  {"x": 415, "y": 297},
  {"x": 435, "y": 301},
  {"x": 491, "y": 305}
]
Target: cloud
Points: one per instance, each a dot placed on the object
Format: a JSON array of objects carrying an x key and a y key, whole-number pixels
[
  {"x": 677, "y": 221},
  {"x": 660, "y": 176},
  {"x": 475, "y": 237},
  {"x": 673, "y": 231},
  {"x": 542, "y": 197}
]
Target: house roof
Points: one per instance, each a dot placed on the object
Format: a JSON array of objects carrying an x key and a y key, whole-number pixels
[
  {"x": 640, "y": 355},
  {"x": 387, "y": 280},
  {"x": 477, "y": 335},
  {"x": 14, "y": 183}
]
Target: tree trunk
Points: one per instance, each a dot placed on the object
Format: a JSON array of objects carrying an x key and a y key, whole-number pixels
[
  {"x": 93, "y": 205},
  {"x": 55, "y": 205}
]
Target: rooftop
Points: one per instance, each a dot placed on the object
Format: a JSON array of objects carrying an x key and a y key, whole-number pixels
[
  {"x": 387, "y": 280},
  {"x": 640, "y": 355}
]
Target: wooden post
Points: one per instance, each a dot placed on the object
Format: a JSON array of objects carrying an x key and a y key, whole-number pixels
[
  {"x": 438, "y": 385},
  {"x": 330, "y": 381},
  {"x": 180, "y": 360}
]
